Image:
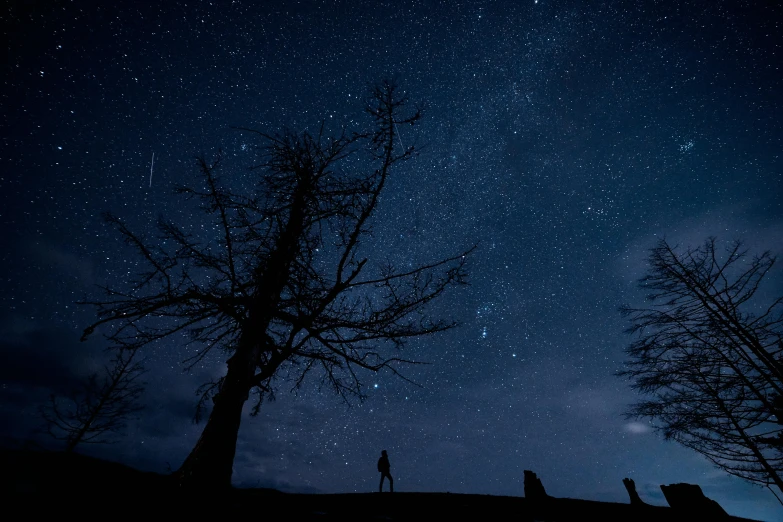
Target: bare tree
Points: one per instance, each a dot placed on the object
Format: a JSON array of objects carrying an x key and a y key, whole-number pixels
[
  {"x": 101, "y": 408},
  {"x": 710, "y": 357},
  {"x": 284, "y": 289}
]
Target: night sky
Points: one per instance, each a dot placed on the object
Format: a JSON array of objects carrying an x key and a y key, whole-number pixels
[{"x": 564, "y": 137}]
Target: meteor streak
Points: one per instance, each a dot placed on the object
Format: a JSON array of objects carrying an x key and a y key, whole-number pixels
[{"x": 152, "y": 164}]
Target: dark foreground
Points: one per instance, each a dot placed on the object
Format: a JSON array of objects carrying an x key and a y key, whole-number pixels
[{"x": 40, "y": 482}]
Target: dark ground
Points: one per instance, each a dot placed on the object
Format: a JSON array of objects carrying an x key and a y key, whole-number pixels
[{"x": 37, "y": 482}]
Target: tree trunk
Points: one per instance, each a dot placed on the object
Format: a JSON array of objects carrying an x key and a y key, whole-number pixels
[{"x": 211, "y": 461}]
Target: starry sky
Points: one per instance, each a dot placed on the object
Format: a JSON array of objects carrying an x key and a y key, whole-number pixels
[{"x": 564, "y": 137}]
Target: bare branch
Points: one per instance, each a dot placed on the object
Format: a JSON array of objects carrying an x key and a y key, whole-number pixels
[
  {"x": 280, "y": 280},
  {"x": 100, "y": 409},
  {"x": 715, "y": 384}
]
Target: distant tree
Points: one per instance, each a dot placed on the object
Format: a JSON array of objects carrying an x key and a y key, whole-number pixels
[
  {"x": 101, "y": 407},
  {"x": 283, "y": 288},
  {"x": 710, "y": 357}
]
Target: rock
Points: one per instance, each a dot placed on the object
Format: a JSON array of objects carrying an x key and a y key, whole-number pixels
[
  {"x": 630, "y": 486},
  {"x": 689, "y": 498},
  {"x": 534, "y": 489}
]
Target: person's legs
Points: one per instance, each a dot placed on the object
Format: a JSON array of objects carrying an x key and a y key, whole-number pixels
[
  {"x": 380, "y": 488},
  {"x": 391, "y": 484}
]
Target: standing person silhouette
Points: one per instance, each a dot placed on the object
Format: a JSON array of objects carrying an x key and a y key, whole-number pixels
[{"x": 383, "y": 467}]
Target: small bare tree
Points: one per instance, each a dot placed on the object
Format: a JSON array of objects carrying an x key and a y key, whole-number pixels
[
  {"x": 101, "y": 408},
  {"x": 284, "y": 289},
  {"x": 711, "y": 365}
]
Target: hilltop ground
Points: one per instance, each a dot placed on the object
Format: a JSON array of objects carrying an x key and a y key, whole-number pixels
[{"x": 43, "y": 482}]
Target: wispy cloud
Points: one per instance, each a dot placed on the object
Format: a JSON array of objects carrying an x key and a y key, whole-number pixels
[{"x": 637, "y": 428}]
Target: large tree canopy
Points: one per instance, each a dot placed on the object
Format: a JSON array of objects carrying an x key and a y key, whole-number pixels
[{"x": 288, "y": 287}]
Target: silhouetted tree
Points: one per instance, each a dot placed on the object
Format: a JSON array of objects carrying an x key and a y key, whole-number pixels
[
  {"x": 710, "y": 357},
  {"x": 285, "y": 290},
  {"x": 101, "y": 407}
]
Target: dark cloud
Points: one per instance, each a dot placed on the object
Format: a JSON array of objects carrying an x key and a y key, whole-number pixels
[{"x": 49, "y": 358}]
